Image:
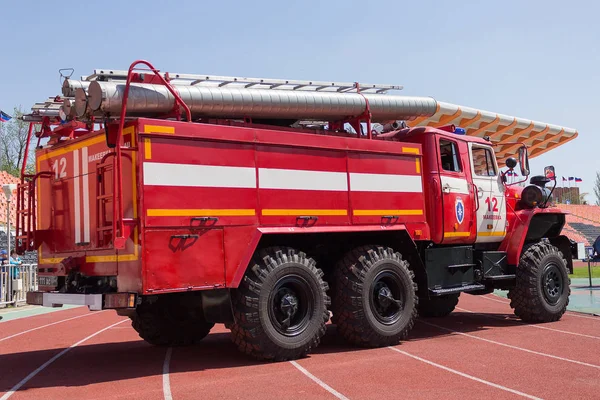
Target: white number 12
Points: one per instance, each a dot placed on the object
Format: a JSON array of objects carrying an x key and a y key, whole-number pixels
[{"x": 63, "y": 167}]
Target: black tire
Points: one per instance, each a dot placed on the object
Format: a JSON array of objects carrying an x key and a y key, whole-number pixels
[
  {"x": 437, "y": 306},
  {"x": 280, "y": 280},
  {"x": 165, "y": 322},
  {"x": 542, "y": 289},
  {"x": 365, "y": 279}
]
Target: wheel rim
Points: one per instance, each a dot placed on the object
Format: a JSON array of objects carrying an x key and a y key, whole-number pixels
[
  {"x": 387, "y": 297},
  {"x": 552, "y": 284},
  {"x": 291, "y": 304}
]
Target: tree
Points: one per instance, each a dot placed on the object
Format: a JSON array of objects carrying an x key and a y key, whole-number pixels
[
  {"x": 13, "y": 140},
  {"x": 597, "y": 188}
]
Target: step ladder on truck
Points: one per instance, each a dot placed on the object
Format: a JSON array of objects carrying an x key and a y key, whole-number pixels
[{"x": 275, "y": 205}]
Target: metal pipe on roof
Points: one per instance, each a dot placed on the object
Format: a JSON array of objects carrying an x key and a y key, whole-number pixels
[
  {"x": 70, "y": 86},
  {"x": 225, "y": 102}
]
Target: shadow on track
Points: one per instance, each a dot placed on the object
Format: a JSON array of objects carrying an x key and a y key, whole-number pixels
[{"x": 131, "y": 359}]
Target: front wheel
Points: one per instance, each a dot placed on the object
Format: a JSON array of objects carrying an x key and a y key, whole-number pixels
[
  {"x": 280, "y": 307},
  {"x": 375, "y": 301},
  {"x": 542, "y": 286}
]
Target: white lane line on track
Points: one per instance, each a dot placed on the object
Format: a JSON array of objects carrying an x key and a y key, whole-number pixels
[
  {"x": 166, "y": 381},
  {"x": 570, "y": 313},
  {"x": 319, "y": 382},
  {"x": 50, "y": 361},
  {"x": 529, "y": 325},
  {"x": 465, "y": 375},
  {"x": 512, "y": 347},
  {"x": 44, "y": 326},
  {"x": 496, "y": 300}
]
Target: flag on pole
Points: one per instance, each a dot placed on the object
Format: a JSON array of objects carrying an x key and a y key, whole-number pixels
[
  {"x": 571, "y": 178},
  {"x": 564, "y": 179},
  {"x": 4, "y": 117},
  {"x": 578, "y": 179}
]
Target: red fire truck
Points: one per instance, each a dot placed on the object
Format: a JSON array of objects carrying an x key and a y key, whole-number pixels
[{"x": 183, "y": 201}]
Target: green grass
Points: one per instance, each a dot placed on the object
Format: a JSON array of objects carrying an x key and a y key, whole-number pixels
[{"x": 582, "y": 272}]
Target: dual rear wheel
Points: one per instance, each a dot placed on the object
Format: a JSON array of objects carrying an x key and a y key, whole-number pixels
[{"x": 282, "y": 304}]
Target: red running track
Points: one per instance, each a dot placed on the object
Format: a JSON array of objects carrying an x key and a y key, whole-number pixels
[{"x": 481, "y": 350}]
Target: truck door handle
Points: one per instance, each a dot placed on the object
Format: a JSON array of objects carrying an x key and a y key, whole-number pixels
[
  {"x": 307, "y": 217},
  {"x": 446, "y": 188},
  {"x": 185, "y": 236},
  {"x": 205, "y": 219}
]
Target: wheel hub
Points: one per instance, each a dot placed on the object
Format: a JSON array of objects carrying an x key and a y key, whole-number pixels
[
  {"x": 289, "y": 304},
  {"x": 552, "y": 284},
  {"x": 386, "y": 297}
]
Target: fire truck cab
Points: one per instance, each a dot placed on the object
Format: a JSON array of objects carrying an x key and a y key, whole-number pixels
[
  {"x": 274, "y": 228},
  {"x": 465, "y": 187}
]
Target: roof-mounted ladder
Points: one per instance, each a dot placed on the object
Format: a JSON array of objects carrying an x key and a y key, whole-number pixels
[{"x": 257, "y": 83}]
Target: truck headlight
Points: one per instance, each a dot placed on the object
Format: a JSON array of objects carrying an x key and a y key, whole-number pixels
[{"x": 532, "y": 196}]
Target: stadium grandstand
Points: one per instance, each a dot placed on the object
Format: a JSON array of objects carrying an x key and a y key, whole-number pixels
[{"x": 583, "y": 222}]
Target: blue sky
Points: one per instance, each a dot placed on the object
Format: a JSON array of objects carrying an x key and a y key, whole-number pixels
[{"x": 534, "y": 59}]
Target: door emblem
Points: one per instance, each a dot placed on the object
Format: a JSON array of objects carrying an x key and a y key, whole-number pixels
[{"x": 460, "y": 210}]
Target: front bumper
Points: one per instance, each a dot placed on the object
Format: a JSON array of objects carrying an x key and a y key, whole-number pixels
[{"x": 94, "y": 302}]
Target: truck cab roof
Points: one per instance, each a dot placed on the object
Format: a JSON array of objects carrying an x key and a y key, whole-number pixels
[{"x": 410, "y": 133}]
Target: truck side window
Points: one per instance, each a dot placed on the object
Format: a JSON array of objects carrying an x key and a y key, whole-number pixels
[
  {"x": 483, "y": 162},
  {"x": 449, "y": 156}
]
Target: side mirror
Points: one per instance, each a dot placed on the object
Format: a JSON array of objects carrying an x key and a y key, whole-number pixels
[
  {"x": 524, "y": 161},
  {"x": 511, "y": 162},
  {"x": 549, "y": 172}
]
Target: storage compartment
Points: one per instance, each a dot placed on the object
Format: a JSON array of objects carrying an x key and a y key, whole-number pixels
[
  {"x": 449, "y": 267},
  {"x": 493, "y": 263},
  {"x": 183, "y": 259}
]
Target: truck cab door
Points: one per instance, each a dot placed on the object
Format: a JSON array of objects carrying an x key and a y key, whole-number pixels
[
  {"x": 490, "y": 201},
  {"x": 457, "y": 204}
]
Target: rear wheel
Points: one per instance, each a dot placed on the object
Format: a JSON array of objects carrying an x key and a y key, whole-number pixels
[
  {"x": 168, "y": 322},
  {"x": 542, "y": 288},
  {"x": 437, "y": 306},
  {"x": 280, "y": 307},
  {"x": 375, "y": 297}
]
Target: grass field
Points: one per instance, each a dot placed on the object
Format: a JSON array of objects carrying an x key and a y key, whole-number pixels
[{"x": 582, "y": 272}]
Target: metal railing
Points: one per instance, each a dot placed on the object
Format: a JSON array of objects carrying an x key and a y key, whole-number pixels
[{"x": 15, "y": 282}]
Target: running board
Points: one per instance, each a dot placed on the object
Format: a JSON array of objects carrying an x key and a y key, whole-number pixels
[
  {"x": 500, "y": 277},
  {"x": 466, "y": 288}
]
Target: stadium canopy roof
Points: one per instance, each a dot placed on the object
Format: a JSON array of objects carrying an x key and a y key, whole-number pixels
[{"x": 506, "y": 132}]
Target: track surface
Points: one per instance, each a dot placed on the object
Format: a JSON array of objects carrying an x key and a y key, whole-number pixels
[{"x": 479, "y": 351}]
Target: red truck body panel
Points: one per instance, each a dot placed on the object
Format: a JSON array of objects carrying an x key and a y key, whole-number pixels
[
  {"x": 204, "y": 194},
  {"x": 67, "y": 210}
]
